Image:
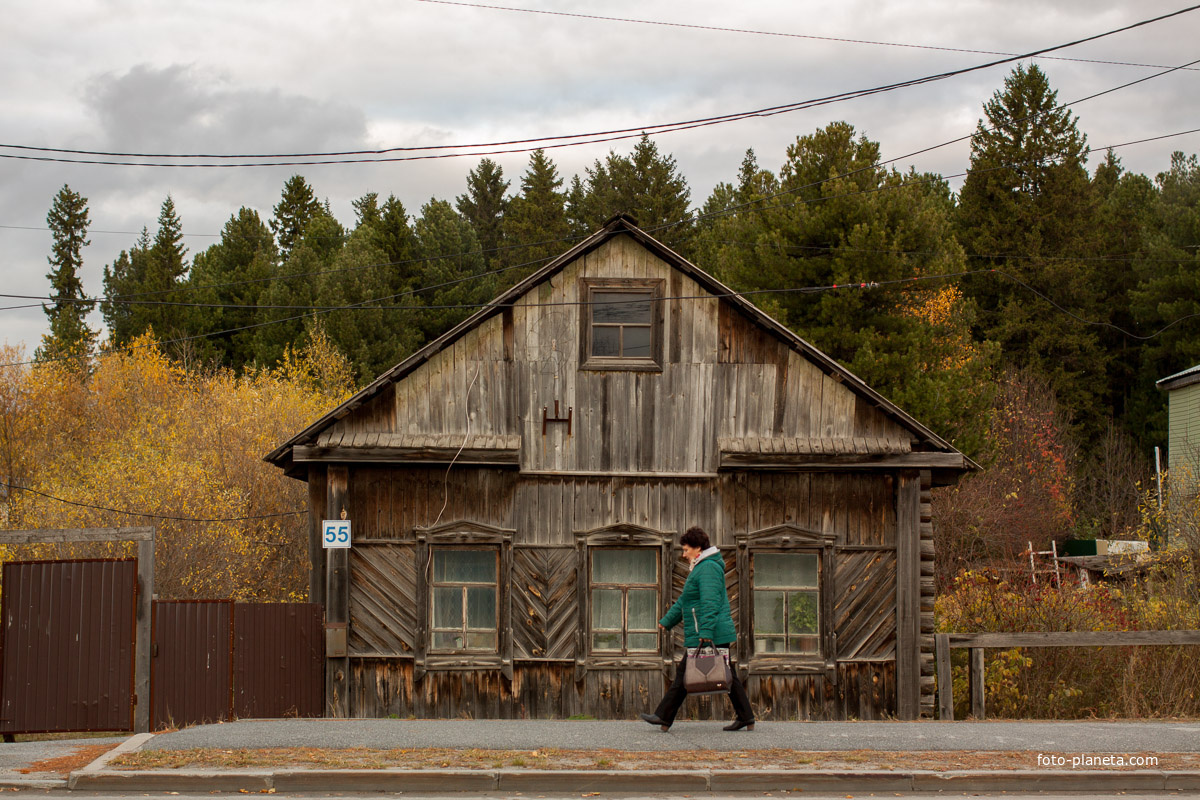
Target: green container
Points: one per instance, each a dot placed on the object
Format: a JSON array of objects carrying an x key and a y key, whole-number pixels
[{"x": 1078, "y": 547}]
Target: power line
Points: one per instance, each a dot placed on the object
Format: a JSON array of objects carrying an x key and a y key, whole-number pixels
[
  {"x": 722, "y": 29},
  {"x": 149, "y": 515},
  {"x": 545, "y": 142}
]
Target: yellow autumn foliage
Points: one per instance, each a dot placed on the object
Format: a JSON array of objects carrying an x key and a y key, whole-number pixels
[{"x": 139, "y": 441}]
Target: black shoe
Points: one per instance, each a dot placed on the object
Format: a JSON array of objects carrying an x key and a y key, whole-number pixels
[
  {"x": 654, "y": 720},
  {"x": 738, "y": 724}
]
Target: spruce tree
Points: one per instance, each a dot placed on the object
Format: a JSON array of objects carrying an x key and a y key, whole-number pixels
[
  {"x": 646, "y": 184},
  {"x": 297, "y": 206},
  {"x": 233, "y": 273},
  {"x": 535, "y": 226},
  {"x": 484, "y": 206},
  {"x": 69, "y": 336},
  {"x": 297, "y": 285},
  {"x": 1027, "y": 209},
  {"x": 453, "y": 276},
  {"x": 125, "y": 283}
]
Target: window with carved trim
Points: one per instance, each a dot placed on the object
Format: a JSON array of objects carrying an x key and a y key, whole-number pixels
[
  {"x": 624, "y": 585},
  {"x": 463, "y": 596},
  {"x": 787, "y": 603}
]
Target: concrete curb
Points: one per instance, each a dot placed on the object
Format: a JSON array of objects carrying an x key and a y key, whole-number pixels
[
  {"x": 179, "y": 780},
  {"x": 678, "y": 781},
  {"x": 33, "y": 783}
]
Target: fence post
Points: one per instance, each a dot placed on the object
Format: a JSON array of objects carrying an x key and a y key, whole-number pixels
[
  {"x": 978, "y": 711},
  {"x": 945, "y": 684}
]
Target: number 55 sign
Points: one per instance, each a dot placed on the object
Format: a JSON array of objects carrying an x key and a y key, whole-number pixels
[{"x": 335, "y": 533}]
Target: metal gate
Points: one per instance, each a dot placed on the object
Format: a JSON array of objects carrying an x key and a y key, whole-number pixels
[
  {"x": 217, "y": 660},
  {"x": 68, "y": 645},
  {"x": 191, "y": 673},
  {"x": 279, "y": 660}
]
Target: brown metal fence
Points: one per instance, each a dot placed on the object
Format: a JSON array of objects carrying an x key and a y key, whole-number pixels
[
  {"x": 191, "y": 673},
  {"x": 68, "y": 643},
  {"x": 279, "y": 660}
]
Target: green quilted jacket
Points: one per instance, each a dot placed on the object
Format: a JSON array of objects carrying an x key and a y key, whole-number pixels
[{"x": 704, "y": 592}]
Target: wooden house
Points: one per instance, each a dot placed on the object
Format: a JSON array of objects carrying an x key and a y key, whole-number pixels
[
  {"x": 1183, "y": 429},
  {"x": 517, "y": 489}
]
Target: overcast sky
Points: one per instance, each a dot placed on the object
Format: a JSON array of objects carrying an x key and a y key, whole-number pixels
[{"x": 278, "y": 77}]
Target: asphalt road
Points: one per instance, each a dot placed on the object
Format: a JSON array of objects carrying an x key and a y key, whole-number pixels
[{"x": 1033, "y": 737}]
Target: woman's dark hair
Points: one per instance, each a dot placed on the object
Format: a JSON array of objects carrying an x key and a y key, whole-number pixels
[{"x": 695, "y": 537}]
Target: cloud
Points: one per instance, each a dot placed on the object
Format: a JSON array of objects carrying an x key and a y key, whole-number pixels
[{"x": 180, "y": 109}]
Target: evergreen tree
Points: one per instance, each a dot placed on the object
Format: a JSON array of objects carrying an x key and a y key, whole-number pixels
[
  {"x": 453, "y": 269},
  {"x": 397, "y": 241},
  {"x": 1027, "y": 206},
  {"x": 366, "y": 210},
  {"x": 141, "y": 282},
  {"x": 484, "y": 205},
  {"x": 535, "y": 225},
  {"x": 645, "y": 184},
  {"x": 69, "y": 336},
  {"x": 371, "y": 335},
  {"x": 296, "y": 286},
  {"x": 233, "y": 273},
  {"x": 1167, "y": 296},
  {"x": 1127, "y": 203},
  {"x": 166, "y": 272},
  {"x": 847, "y": 221},
  {"x": 297, "y": 206},
  {"x": 125, "y": 282}
]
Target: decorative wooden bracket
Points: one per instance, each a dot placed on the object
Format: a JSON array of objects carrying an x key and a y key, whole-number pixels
[{"x": 557, "y": 418}]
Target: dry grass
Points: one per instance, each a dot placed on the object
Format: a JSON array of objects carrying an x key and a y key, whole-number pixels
[
  {"x": 552, "y": 759},
  {"x": 65, "y": 764}
]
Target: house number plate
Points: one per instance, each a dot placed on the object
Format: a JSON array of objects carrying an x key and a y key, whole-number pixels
[{"x": 335, "y": 533}]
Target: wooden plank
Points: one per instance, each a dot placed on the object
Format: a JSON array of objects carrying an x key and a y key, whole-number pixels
[
  {"x": 976, "y": 680},
  {"x": 1074, "y": 639},
  {"x": 138, "y": 534},
  {"x": 945, "y": 682},
  {"x": 908, "y": 596},
  {"x": 821, "y": 461},
  {"x": 337, "y": 598}
]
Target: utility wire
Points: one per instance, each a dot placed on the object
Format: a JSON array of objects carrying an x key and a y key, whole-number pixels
[
  {"x": 721, "y": 29},
  {"x": 148, "y": 515},
  {"x": 547, "y": 142}
]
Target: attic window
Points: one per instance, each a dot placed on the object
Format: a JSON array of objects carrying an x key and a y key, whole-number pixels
[{"x": 621, "y": 324}]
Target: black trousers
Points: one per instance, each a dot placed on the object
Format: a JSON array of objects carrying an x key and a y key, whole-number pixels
[{"x": 668, "y": 707}]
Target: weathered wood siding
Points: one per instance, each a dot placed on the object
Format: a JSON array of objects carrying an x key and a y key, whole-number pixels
[
  {"x": 545, "y": 514},
  {"x": 723, "y": 376}
]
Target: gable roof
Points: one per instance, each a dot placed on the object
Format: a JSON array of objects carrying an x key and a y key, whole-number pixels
[{"x": 620, "y": 224}]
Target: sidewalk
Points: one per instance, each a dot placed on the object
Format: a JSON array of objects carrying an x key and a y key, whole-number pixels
[{"x": 393, "y": 755}]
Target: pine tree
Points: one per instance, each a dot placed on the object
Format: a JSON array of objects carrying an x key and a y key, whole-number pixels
[
  {"x": 847, "y": 221},
  {"x": 535, "y": 225},
  {"x": 69, "y": 336},
  {"x": 484, "y": 205},
  {"x": 1028, "y": 207}
]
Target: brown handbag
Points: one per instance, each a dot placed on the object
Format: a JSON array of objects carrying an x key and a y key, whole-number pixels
[{"x": 707, "y": 669}]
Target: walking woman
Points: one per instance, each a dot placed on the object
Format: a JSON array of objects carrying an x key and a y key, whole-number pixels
[{"x": 703, "y": 606}]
